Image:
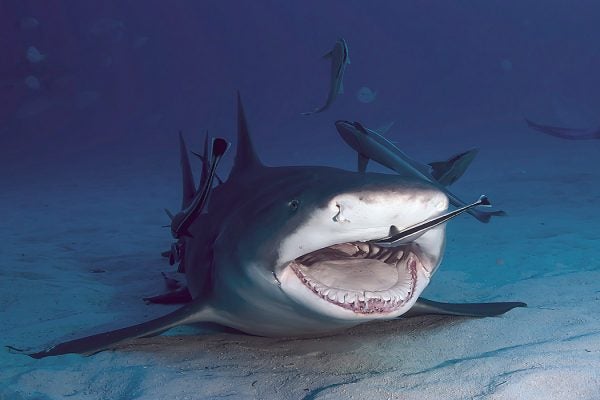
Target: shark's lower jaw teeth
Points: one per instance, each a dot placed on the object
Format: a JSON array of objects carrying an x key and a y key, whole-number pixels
[{"x": 363, "y": 301}]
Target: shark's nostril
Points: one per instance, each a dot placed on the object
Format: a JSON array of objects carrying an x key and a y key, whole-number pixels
[{"x": 339, "y": 217}]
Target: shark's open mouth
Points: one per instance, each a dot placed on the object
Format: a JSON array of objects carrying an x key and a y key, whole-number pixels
[{"x": 361, "y": 277}]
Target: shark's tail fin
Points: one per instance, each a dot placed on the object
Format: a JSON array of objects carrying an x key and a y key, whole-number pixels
[{"x": 449, "y": 171}]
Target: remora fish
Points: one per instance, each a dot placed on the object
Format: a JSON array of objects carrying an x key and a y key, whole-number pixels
[
  {"x": 339, "y": 60},
  {"x": 565, "y": 133},
  {"x": 289, "y": 251},
  {"x": 370, "y": 145}
]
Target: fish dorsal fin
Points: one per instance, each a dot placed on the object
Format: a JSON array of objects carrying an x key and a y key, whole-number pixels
[
  {"x": 189, "y": 190},
  {"x": 245, "y": 157},
  {"x": 383, "y": 130}
]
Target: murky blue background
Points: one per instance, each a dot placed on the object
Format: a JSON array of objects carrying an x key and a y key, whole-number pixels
[{"x": 124, "y": 76}]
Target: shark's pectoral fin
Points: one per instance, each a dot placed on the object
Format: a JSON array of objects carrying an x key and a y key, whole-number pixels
[
  {"x": 428, "y": 307},
  {"x": 328, "y": 55},
  {"x": 362, "y": 162},
  {"x": 102, "y": 341},
  {"x": 176, "y": 296}
]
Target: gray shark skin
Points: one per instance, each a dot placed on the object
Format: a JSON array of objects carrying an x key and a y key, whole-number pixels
[
  {"x": 565, "y": 133},
  {"x": 286, "y": 251},
  {"x": 339, "y": 60},
  {"x": 370, "y": 145}
]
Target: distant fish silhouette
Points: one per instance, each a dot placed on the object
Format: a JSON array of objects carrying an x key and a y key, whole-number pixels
[
  {"x": 565, "y": 133},
  {"x": 29, "y": 23},
  {"x": 339, "y": 61}
]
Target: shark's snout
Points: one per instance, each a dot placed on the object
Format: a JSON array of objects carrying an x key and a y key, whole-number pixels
[{"x": 331, "y": 264}]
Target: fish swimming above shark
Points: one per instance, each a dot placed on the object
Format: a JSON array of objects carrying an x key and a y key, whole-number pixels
[
  {"x": 300, "y": 251},
  {"x": 371, "y": 145},
  {"x": 339, "y": 61},
  {"x": 565, "y": 133}
]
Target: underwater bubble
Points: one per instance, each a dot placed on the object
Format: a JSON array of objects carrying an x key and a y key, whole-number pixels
[
  {"x": 140, "y": 41},
  {"x": 34, "y": 56},
  {"x": 32, "y": 82},
  {"x": 34, "y": 107},
  {"x": 86, "y": 98},
  {"x": 107, "y": 27},
  {"x": 366, "y": 95},
  {"x": 28, "y": 23},
  {"x": 506, "y": 65}
]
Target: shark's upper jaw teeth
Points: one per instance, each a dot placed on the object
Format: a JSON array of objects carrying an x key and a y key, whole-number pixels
[{"x": 365, "y": 301}]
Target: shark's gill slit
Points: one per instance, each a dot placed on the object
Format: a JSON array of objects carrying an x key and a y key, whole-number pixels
[{"x": 361, "y": 277}]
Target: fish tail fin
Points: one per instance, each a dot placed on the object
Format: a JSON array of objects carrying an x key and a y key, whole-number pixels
[
  {"x": 486, "y": 216},
  {"x": 449, "y": 171}
]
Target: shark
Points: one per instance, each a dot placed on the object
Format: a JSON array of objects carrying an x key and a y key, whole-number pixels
[
  {"x": 565, "y": 133},
  {"x": 339, "y": 61},
  {"x": 371, "y": 145},
  {"x": 299, "y": 250}
]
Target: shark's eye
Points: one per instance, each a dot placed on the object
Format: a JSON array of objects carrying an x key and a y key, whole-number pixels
[{"x": 294, "y": 204}]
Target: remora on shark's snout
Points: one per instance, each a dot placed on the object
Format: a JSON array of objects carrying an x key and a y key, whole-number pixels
[
  {"x": 288, "y": 251},
  {"x": 370, "y": 145}
]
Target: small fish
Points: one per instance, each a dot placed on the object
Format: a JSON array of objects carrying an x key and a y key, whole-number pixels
[
  {"x": 371, "y": 145},
  {"x": 565, "y": 133},
  {"x": 34, "y": 56},
  {"x": 339, "y": 60},
  {"x": 366, "y": 95}
]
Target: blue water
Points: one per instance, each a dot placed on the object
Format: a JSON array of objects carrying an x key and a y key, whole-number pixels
[
  {"x": 135, "y": 73},
  {"x": 92, "y": 95}
]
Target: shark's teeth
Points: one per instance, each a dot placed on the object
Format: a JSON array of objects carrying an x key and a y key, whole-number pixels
[{"x": 368, "y": 302}]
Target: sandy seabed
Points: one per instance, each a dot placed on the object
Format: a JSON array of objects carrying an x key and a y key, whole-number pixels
[{"x": 80, "y": 250}]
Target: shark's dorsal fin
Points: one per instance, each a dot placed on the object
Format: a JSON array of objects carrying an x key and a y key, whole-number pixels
[
  {"x": 189, "y": 190},
  {"x": 245, "y": 157}
]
